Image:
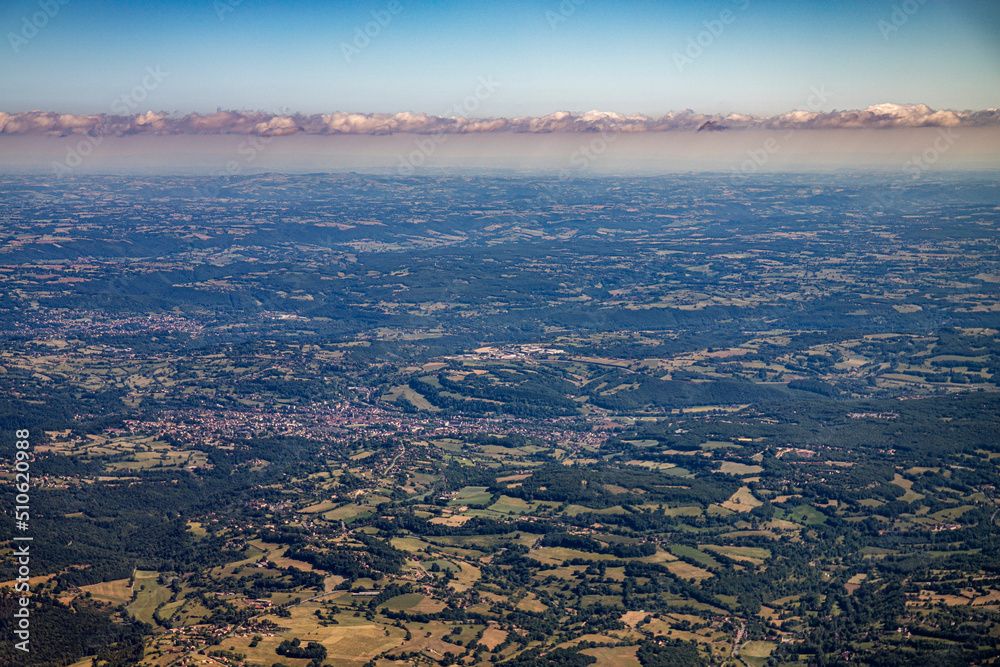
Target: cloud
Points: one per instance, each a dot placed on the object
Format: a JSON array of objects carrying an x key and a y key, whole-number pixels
[{"x": 879, "y": 116}]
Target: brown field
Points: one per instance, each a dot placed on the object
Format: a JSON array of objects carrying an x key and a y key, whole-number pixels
[
  {"x": 433, "y": 645},
  {"x": 854, "y": 583},
  {"x": 687, "y": 571},
  {"x": 617, "y": 656},
  {"x": 751, "y": 554},
  {"x": 559, "y": 554},
  {"x": 514, "y": 478},
  {"x": 428, "y": 606},
  {"x": 319, "y": 507},
  {"x": 466, "y": 576},
  {"x": 352, "y": 642},
  {"x": 630, "y": 618},
  {"x": 281, "y": 561},
  {"x": 531, "y": 604},
  {"x": 33, "y": 582},
  {"x": 742, "y": 501},
  {"x": 660, "y": 556},
  {"x": 734, "y": 468},
  {"x": 492, "y": 637},
  {"x": 115, "y": 592},
  {"x": 452, "y": 520}
]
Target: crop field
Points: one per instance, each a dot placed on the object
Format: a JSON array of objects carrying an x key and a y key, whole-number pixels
[
  {"x": 753, "y": 554},
  {"x": 622, "y": 656},
  {"x": 806, "y": 514},
  {"x": 115, "y": 592},
  {"x": 742, "y": 501},
  {"x": 508, "y": 505},
  {"x": 688, "y": 571},
  {"x": 355, "y": 408},
  {"x": 471, "y": 495},
  {"x": 734, "y": 468},
  {"x": 149, "y": 595}
]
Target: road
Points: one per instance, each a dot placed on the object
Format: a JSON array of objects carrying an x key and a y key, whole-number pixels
[
  {"x": 736, "y": 643},
  {"x": 402, "y": 450}
]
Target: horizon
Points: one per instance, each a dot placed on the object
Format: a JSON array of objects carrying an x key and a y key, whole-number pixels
[
  {"x": 766, "y": 82},
  {"x": 392, "y": 55}
]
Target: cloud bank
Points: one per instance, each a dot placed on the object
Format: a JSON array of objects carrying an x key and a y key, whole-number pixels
[{"x": 879, "y": 116}]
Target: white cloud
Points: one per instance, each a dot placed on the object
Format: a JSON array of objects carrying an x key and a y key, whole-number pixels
[{"x": 879, "y": 116}]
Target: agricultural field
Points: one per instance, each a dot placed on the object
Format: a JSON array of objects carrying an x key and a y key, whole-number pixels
[{"x": 444, "y": 421}]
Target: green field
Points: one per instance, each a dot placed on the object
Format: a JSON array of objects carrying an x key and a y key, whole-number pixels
[
  {"x": 694, "y": 554},
  {"x": 471, "y": 495},
  {"x": 405, "y": 601},
  {"x": 804, "y": 514},
  {"x": 149, "y": 595}
]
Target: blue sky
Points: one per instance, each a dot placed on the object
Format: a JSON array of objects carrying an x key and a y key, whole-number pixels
[{"x": 764, "y": 57}]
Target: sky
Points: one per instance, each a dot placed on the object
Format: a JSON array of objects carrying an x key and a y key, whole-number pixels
[{"x": 651, "y": 58}]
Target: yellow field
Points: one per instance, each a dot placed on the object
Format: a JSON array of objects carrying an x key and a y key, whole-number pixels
[
  {"x": 319, "y": 507},
  {"x": 467, "y": 576},
  {"x": 757, "y": 649},
  {"x": 734, "y": 468},
  {"x": 493, "y": 636},
  {"x": 450, "y": 520},
  {"x": 752, "y": 554},
  {"x": 617, "y": 656},
  {"x": 660, "y": 556},
  {"x": 559, "y": 554},
  {"x": 687, "y": 571},
  {"x": 742, "y": 501},
  {"x": 149, "y": 595},
  {"x": 427, "y": 639},
  {"x": 906, "y": 485},
  {"x": 344, "y": 513},
  {"x": 353, "y": 642},
  {"x": 411, "y": 544},
  {"x": 115, "y": 592}
]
